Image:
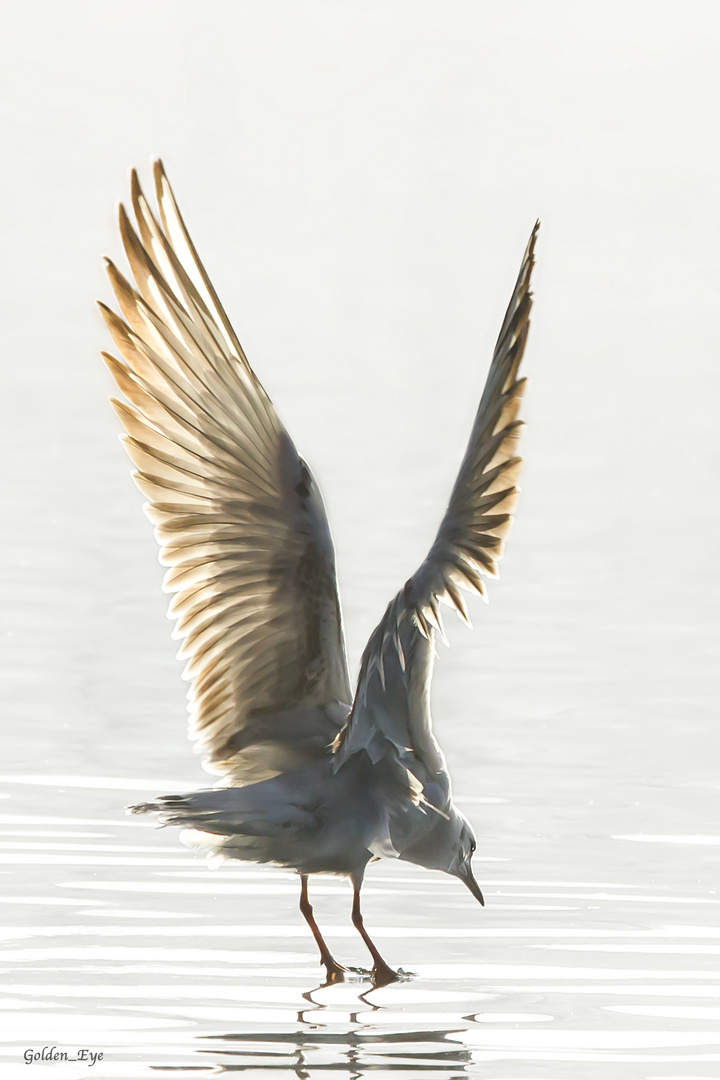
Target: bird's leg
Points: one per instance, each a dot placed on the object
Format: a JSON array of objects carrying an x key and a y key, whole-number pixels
[
  {"x": 382, "y": 973},
  {"x": 335, "y": 971}
]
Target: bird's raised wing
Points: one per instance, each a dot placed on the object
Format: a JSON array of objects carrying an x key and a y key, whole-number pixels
[
  {"x": 391, "y": 710},
  {"x": 237, "y": 513}
]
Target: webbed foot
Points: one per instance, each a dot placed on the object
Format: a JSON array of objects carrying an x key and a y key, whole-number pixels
[
  {"x": 335, "y": 973},
  {"x": 383, "y": 975}
]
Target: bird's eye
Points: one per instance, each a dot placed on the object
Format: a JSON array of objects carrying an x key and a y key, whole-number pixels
[{"x": 473, "y": 845}]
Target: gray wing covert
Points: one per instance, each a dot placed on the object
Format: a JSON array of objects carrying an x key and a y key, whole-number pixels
[
  {"x": 237, "y": 513},
  {"x": 391, "y": 710}
]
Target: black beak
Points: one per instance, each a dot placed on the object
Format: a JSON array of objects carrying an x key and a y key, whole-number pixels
[{"x": 467, "y": 878}]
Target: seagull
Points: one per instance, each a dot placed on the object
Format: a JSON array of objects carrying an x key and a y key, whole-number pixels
[{"x": 311, "y": 777}]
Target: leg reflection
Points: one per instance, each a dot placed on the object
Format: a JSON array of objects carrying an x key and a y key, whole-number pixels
[{"x": 354, "y": 1052}]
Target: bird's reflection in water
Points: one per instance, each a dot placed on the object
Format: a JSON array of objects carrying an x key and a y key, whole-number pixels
[
  {"x": 360, "y": 1047},
  {"x": 343, "y": 1051}
]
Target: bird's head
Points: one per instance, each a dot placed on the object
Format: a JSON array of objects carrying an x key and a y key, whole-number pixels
[{"x": 448, "y": 846}]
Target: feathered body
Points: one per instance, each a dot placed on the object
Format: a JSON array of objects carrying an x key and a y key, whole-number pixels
[{"x": 312, "y": 777}]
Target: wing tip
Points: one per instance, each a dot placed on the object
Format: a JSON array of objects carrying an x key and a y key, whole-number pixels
[{"x": 529, "y": 258}]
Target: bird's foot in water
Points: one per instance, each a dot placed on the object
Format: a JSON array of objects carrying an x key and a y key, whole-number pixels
[
  {"x": 383, "y": 975},
  {"x": 336, "y": 972}
]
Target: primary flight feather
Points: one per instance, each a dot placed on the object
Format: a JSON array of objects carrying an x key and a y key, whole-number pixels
[{"x": 311, "y": 777}]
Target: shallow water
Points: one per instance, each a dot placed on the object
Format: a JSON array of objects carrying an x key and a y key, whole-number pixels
[{"x": 117, "y": 940}]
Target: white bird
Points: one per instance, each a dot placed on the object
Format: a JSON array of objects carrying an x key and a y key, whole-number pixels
[{"x": 312, "y": 777}]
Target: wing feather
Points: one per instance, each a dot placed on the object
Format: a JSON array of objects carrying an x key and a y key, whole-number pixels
[
  {"x": 391, "y": 710},
  {"x": 238, "y": 516}
]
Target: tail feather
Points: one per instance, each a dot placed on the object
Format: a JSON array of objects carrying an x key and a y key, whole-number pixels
[
  {"x": 255, "y": 810},
  {"x": 173, "y": 809}
]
